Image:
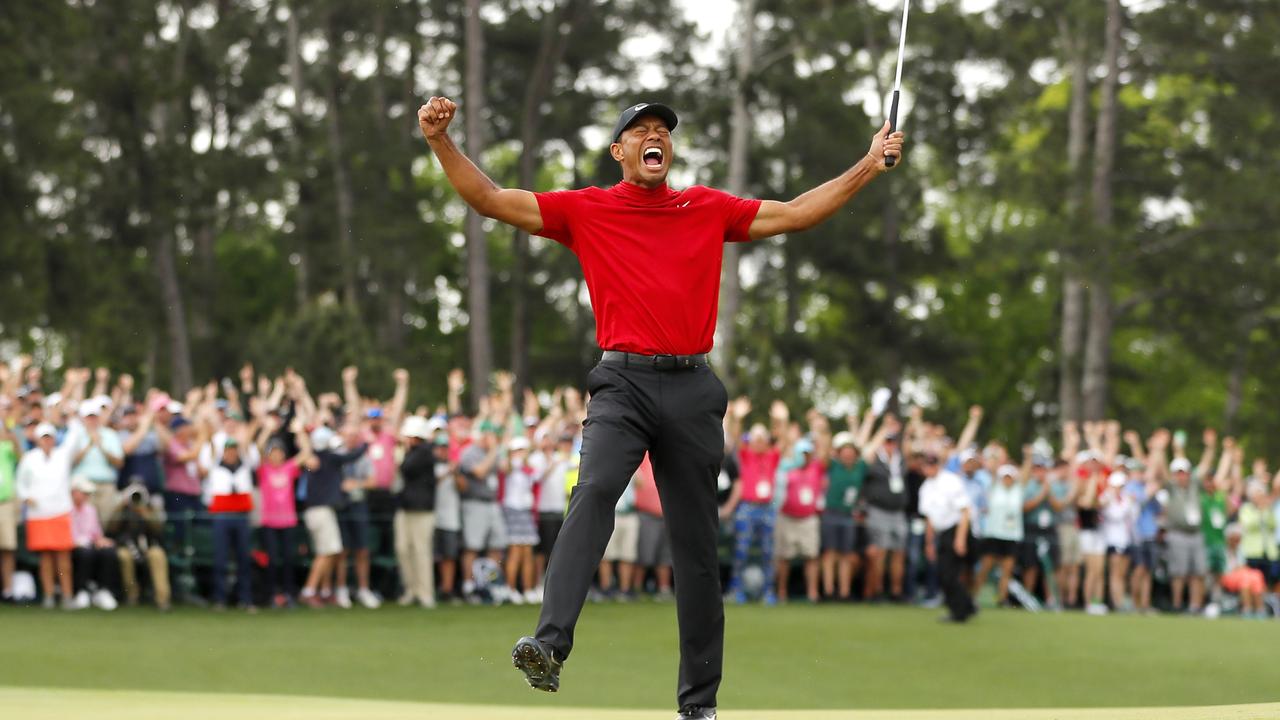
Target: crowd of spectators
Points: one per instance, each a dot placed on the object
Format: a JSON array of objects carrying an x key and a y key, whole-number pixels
[{"x": 257, "y": 494}]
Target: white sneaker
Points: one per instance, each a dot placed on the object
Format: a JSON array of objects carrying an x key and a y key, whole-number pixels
[
  {"x": 515, "y": 597},
  {"x": 79, "y": 602},
  {"x": 343, "y": 598},
  {"x": 1096, "y": 609},
  {"x": 104, "y": 600},
  {"x": 368, "y": 599},
  {"x": 532, "y": 597},
  {"x": 405, "y": 600}
]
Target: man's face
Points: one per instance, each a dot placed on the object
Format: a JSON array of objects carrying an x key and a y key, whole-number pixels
[
  {"x": 92, "y": 422},
  {"x": 375, "y": 425},
  {"x": 645, "y": 151},
  {"x": 1182, "y": 477},
  {"x": 78, "y": 497},
  {"x": 129, "y": 421},
  {"x": 847, "y": 454},
  {"x": 47, "y": 443},
  {"x": 351, "y": 435}
]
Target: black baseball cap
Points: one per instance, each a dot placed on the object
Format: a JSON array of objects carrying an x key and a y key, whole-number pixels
[{"x": 630, "y": 114}]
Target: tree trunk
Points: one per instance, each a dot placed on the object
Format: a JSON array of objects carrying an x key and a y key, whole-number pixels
[
  {"x": 1235, "y": 388},
  {"x": 1073, "y": 291},
  {"x": 1098, "y": 345},
  {"x": 479, "y": 337},
  {"x": 301, "y": 225},
  {"x": 558, "y": 26},
  {"x": 344, "y": 201},
  {"x": 739, "y": 147}
]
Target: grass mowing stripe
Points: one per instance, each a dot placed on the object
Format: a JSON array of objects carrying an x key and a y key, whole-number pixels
[
  {"x": 60, "y": 704},
  {"x": 793, "y": 657}
]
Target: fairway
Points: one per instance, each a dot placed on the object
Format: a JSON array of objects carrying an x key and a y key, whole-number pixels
[{"x": 791, "y": 658}]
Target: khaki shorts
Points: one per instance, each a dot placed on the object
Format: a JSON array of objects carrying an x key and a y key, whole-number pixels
[
  {"x": 326, "y": 535},
  {"x": 9, "y": 525},
  {"x": 1069, "y": 545},
  {"x": 624, "y": 544},
  {"x": 797, "y": 538}
]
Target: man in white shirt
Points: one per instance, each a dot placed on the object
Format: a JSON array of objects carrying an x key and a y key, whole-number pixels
[{"x": 945, "y": 505}]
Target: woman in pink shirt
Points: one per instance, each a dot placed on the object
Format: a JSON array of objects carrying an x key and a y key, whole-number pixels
[
  {"x": 182, "y": 475},
  {"x": 277, "y": 478},
  {"x": 799, "y": 532},
  {"x": 94, "y": 564}
]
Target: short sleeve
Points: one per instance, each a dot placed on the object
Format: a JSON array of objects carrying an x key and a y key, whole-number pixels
[
  {"x": 738, "y": 215},
  {"x": 557, "y": 209}
]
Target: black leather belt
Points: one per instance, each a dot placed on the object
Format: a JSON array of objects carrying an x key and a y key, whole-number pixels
[{"x": 657, "y": 362}]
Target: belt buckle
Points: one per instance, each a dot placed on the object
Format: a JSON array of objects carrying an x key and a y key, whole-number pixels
[{"x": 668, "y": 360}]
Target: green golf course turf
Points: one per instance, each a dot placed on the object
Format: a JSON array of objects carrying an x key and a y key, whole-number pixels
[{"x": 795, "y": 657}]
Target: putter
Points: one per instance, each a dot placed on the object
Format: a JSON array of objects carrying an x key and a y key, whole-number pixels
[{"x": 897, "y": 82}]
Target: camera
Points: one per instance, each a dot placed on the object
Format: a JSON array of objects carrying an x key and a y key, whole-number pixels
[{"x": 137, "y": 495}]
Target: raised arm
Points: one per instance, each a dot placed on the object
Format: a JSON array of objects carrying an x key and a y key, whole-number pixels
[
  {"x": 820, "y": 203},
  {"x": 738, "y": 411},
  {"x": 970, "y": 431},
  {"x": 513, "y": 207},
  {"x": 1210, "y": 448},
  {"x": 887, "y": 428},
  {"x": 395, "y": 408},
  {"x": 862, "y": 433},
  {"x": 351, "y": 393}
]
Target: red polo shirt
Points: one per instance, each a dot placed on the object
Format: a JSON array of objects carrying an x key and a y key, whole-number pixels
[{"x": 651, "y": 259}]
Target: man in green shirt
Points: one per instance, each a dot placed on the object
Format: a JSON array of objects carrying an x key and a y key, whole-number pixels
[
  {"x": 10, "y": 449},
  {"x": 844, "y": 480},
  {"x": 1213, "y": 524}
]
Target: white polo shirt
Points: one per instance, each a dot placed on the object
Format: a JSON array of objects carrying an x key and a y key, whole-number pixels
[{"x": 942, "y": 499}]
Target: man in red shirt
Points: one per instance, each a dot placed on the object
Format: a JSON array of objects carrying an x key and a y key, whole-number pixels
[{"x": 651, "y": 257}]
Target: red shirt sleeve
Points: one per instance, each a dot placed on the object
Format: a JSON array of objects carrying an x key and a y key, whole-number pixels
[
  {"x": 556, "y": 208},
  {"x": 739, "y": 213}
]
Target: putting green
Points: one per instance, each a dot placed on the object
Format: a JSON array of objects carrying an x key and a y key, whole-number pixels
[{"x": 64, "y": 704}]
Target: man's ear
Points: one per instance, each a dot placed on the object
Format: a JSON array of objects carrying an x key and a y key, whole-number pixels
[{"x": 616, "y": 151}]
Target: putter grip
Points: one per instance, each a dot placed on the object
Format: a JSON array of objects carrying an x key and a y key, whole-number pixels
[{"x": 893, "y": 126}]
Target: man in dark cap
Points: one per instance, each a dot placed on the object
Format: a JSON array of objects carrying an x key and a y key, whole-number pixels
[{"x": 651, "y": 257}]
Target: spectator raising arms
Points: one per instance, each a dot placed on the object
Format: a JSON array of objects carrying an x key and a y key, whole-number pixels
[{"x": 44, "y": 488}]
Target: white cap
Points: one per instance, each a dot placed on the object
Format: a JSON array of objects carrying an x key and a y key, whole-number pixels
[
  {"x": 45, "y": 429},
  {"x": 90, "y": 407},
  {"x": 435, "y": 424},
  {"x": 1180, "y": 465},
  {"x": 416, "y": 427},
  {"x": 1007, "y": 471},
  {"x": 174, "y": 407},
  {"x": 1118, "y": 479},
  {"x": 104, "y": 401},
  {"x": 83, "y": 484},
  {"x": 1085, "y": 456},
  {"x": 518, "y": 442},
  {"x": 52, "y": 399},
  {"x": 968, "y": 454},
  {"x": 842, "y": 439},
  {"x": 322, "y": 438}
]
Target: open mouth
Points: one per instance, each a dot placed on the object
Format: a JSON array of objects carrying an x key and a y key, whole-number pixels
[{"x": 652, "y": 157}]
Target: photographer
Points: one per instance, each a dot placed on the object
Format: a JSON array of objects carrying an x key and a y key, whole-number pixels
[{"x": 137, "y": 529}]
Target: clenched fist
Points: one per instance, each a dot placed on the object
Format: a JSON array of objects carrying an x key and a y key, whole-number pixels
[{"x": 435, "y": 116}]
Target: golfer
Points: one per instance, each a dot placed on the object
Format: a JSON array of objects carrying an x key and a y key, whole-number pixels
[{"x": 651, "y": 257}]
